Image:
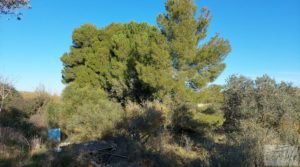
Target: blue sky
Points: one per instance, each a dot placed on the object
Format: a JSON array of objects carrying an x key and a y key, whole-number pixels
[{"x": 264, "y": 34}]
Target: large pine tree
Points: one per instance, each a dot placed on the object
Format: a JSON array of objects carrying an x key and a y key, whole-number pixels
[
  {"x": 141, "y": 62},
  {"x": 194, "y": 65},
  {"x": 128, "y": 61}
]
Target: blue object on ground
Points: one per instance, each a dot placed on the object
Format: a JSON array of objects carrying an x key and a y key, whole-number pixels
[{"x": 54, "y": 134}]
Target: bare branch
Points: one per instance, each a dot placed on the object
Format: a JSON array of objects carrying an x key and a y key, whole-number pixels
[{"x": 6, "y": 88}]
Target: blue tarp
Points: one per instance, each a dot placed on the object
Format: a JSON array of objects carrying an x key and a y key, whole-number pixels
[{"x": 54, "y": 134}]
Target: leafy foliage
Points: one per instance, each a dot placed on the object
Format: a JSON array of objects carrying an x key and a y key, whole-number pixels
[
  {"x": 36, "y": 104},
  {"x": 10, "y": 97},
  {"x": 262, "y": 99},
  {"x": 138, "y": 62},
  {"x": 85, "y": 113},
  {"x": 52, "y": 114},
  {"x": 127, "y": 61},
  {"x": 197, "y": 119},
  {"x": 258, "y": 112},
  {"x": 92, "y": 121},
  {"x": 147, "y": 120},
  {"x": 193, "y": 65}
]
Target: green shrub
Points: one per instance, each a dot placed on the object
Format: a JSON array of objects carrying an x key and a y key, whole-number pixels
[
  {"x": 272, "y": 105},
  {"x": 197, "y": 119},
  {"x": 146, "y": 120},
  {"x": 36, "y": 104},
  {"x": 86, "y": 113},
  {"x": 258, "y": 112},
  {"x": 13, "y": 99},
  {"x": 53, "y": 114},
  {"x": 14, "y": 147},
  {"x": 36, "y": 101},
  {"x": 92, "y": 121},
  {"x": 74, "y": 96}
]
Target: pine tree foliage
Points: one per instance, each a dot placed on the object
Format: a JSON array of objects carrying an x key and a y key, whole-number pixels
[
  {"x": 194, "y": 64},
  {"x": 140, "y": 62},
  {"x": 125, "y": 60}
]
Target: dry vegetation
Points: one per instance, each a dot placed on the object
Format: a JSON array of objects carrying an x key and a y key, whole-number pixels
[
  {"x": 151, "y": 133},
  {"x": 32, "y": 95}
]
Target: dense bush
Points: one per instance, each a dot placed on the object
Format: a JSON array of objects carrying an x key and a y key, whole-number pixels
[
  {"x": 146, "y": 120},
  {"x": 13, "y": 98},
  {"x": 36, "y": 104},
  {"x": 264, "y": 100},
  {"x": 85, "y": 113},
  {"x": 197, "y": 118},
  {"x": 52, "y": 114},
  {"x": 12, "y": 137},
  {"x": 257, "y": 113},
  {"x": 92, "y": 121},
  {"x": 15, "y": 115}
]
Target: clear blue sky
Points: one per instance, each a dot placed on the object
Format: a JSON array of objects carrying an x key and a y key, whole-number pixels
[{"x": 264, "y": 34}]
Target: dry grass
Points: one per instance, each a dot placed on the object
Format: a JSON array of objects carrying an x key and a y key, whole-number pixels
[
  {"x": 298, "y": 91},
  {"x": 32, "y": 95},
  {"x": 38, "y": 120},
  {"x": 37, "y": 146},
  {"x": 299, "y": 133},
  {"x": 12, "y": 143},
  {"x": 29, "y": 95}
]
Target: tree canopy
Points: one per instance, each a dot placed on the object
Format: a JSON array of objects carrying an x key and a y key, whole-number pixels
[
  {"x": 136, "y": 61},
  {"x": 194, "y": 64},
  {"x": 126, "y": 60}
]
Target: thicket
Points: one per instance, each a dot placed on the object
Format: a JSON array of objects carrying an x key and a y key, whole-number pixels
[
  {"x": 85, "y": 113},
  {"x": 139, "y": 63},
  {"x": 258, "y": 112},
  {"x": 23, "y": 131}
]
